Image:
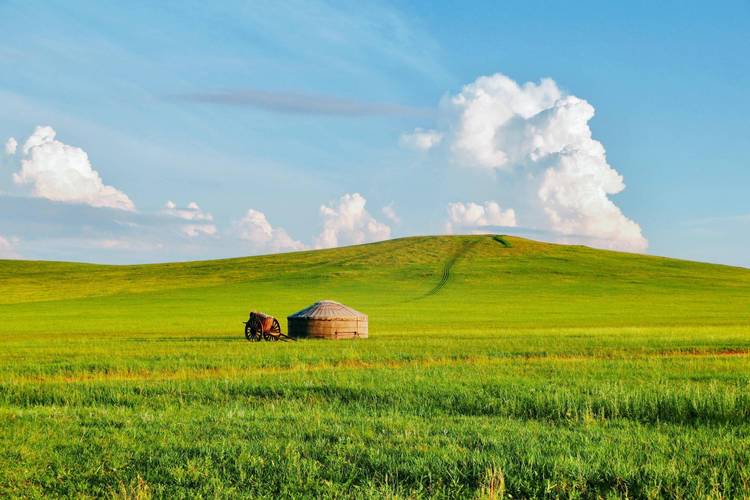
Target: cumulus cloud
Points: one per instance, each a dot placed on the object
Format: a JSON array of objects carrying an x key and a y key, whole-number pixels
[
  {"x": 201, "y": 222},
  {"x": 8, "y": 248},
  {"x": 255, "y": 229},
  {"x": 574, "y": 195},
  {"x": 489, "y": 119},
  {"x": 420, "y": 139},
  {"x": 59, "y": 172},
  {"x": 10, "y": 146},
  {"x": 347, "y": 222},
  {"x": 389, "y": 212},
  {"x": 472, "y": 216},
  {"x": 541, "y": 134}
]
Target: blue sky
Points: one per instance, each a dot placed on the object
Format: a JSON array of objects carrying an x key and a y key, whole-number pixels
[{"x": 294, "y": 125}]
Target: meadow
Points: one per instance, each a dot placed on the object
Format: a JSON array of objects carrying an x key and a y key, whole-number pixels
[{"x": 495, "y": 367}]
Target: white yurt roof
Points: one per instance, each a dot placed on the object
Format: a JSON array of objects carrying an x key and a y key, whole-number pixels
[{"x": 328, "y": 309}]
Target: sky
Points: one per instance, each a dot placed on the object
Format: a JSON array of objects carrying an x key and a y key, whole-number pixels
[{"x": 159, "y": 131}]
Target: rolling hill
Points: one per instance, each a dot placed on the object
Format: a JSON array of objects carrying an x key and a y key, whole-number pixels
[{"x": 443, "y": 283}]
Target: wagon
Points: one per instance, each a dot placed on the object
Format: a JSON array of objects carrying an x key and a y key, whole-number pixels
[{"x": 262, "y": 327}]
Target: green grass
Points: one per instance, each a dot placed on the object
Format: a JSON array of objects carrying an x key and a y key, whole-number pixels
[{"x": 495, "y": 366}]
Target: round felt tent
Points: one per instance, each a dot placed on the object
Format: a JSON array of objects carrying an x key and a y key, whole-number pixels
[{"x": 328, "y": 320}]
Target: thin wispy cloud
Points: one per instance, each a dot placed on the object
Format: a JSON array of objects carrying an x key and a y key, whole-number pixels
[
  {"x": 301, "y": 103},
  {"x": 710, "y": 221}
]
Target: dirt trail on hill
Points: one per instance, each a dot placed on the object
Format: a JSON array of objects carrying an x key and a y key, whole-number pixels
[{"x": 448, "y": 267}]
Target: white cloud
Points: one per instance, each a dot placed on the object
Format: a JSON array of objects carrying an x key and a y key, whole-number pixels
[
  {"x": 489, "y": 117},
  {"x": 10, "y": 146},
  {"x": 201, "y": 221},
  {"x": 541, "y": 135},
  {"x": 345, "y": 222},
  {"x": 60, "y": 172},
  {"x": 191, "y": 212},
  {"x": 193, "y": 230},
  {"x": 472, "y": 216},
  {"x": 389, "y": 212},
  {"x": 8, "y": 248},
  {"x": 349, "y": 223},
  {"x": 574, "y": 197},
  {"x": 420, "y": 139},
  {"x": 255, "y": 228}
]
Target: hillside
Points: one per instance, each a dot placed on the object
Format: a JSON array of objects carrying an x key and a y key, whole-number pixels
[
  {"x": 488, "y": 284},
  {"x": 494, "y": 365}
]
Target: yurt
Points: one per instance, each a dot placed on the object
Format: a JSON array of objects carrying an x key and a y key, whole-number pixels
[{"x": 328, "y": 320}]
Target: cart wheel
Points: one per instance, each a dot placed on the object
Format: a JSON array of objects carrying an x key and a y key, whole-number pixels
[
  {"x": 248, "y": 332},
  {"x": 276, "y": 327}
]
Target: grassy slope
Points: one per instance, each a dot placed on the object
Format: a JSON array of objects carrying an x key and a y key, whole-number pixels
[{"x": 537, "y": 368}]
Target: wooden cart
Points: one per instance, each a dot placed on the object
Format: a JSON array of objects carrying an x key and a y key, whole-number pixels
[{"x": 262, "y": 327}]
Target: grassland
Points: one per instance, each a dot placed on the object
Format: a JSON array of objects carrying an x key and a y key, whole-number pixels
[{"x": 495, "y": 366}]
